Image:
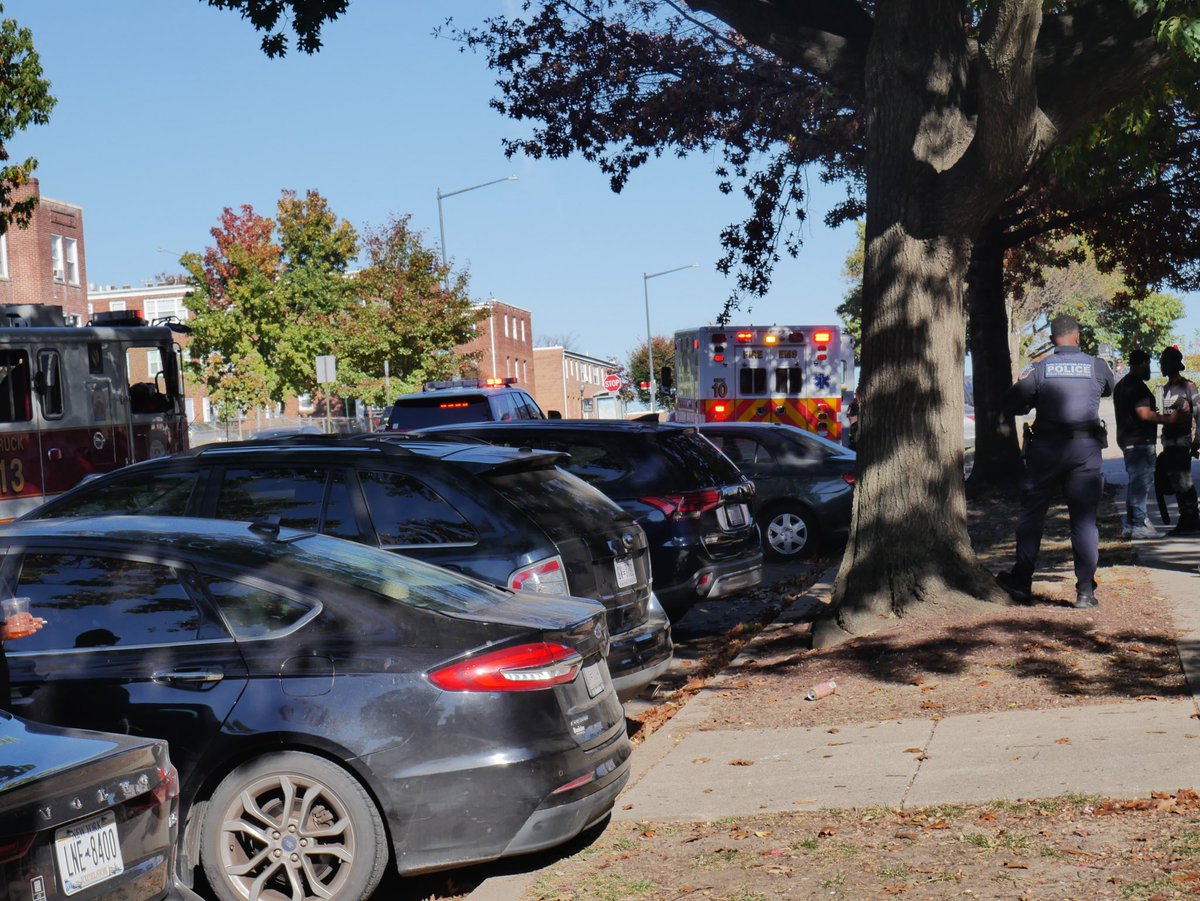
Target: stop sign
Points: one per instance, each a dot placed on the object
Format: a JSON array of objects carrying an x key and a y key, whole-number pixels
[{"x": 612, "y": 383}]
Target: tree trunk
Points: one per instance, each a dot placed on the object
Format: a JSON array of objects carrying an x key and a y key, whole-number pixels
[
  {"x": 918, "y": 243},
  {"x": 997, "y": 451}
]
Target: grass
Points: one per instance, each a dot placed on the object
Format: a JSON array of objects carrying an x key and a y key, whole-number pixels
[
  {"x": 716, "y": 859},
  {"x": 894, "y": 873},
  {"x": 598, "y": 888},
  {"x": 1004, "y": 841},
  {"x": 1187, "y": 844},
  {"x": 1142, "y": 891}
]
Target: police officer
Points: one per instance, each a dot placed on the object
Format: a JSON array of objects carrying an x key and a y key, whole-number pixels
[{"x": 1068, "y": 435}]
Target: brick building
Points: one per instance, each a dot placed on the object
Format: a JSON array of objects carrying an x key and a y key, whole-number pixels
[
  {"x": 504, "y": 342},
  {"x": 44, "y": 263},
  {"x": 573, "y": 384}
]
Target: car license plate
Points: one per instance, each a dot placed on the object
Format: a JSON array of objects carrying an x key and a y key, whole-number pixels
[
  {"x": 736, "y": 513},
  {"x": 593, "y": 679},
  {"x": 88, "y": 853},
  {"x": 626, "y": 575}
]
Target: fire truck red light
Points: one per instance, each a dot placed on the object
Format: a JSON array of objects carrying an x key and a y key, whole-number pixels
[
  {"x": 745, "y": 337},
  {"x": 718, "y": 358},
  {"x": 822, "y": 356}
]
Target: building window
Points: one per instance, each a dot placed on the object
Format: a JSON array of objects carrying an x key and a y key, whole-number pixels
[
  {"x": 306, "y": 403},
  {"x": 3, "y": 256},
  {"x": 153, "y": 363},
  {"x": 156, "y": 308},
  {"x": 506, "y": 325},
  {"x": 91, "y": 310},
  {"x": 189, "y": 408},
  {"x": 522, "y": 330},
  {"x": 116, "y": 305},
  {"x": 524, "y": 373},
  {"x": 57, "y": 266},
  {"x": 72, "y": 254}
]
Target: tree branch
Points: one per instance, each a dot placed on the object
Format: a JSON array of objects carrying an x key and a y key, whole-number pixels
[
  {"x": 1091, "y": 59},
  {"x": 1008, "y": 131},
  {"x": 828, "y": 38}
]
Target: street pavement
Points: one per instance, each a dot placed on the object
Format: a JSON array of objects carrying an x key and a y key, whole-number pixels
[{"x": 1116, "y": 750}]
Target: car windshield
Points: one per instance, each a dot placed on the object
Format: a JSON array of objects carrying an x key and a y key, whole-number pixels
[
  {"x": 561, "y": 504},
  {"x": 390, "y": 575},
  {"x": 419, "y": 412}
]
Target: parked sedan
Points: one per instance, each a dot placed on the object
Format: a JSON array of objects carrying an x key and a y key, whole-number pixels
[
  {"x": 85, "y": 814},
  {"x": 805, "y": 483},
  {"x": 333, "y": 709},
  {"x": 693, "y": 505},
  {"x": 508, "y": 517}
]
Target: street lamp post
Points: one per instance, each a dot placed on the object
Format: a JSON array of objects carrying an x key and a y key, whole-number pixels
[
  {"x": 646, "y": 276},
  {"x": 442, "y": 225}
]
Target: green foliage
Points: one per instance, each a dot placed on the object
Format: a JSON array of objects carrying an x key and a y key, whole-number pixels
[
  {"x": 306, "y": 18},
  {"x": 403, "y": 316},
  {"x": 850, "y": 309},
  {"x": 265, "y": 309},
  {"x": 639, "y": 367},
  {"x": 24, "y": 100}
]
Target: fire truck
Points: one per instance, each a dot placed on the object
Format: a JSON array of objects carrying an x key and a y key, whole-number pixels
[
  {"x": 797, "y": 375},
  {"x": 81, "y": 400}
]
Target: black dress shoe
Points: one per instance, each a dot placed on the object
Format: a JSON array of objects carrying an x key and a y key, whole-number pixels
[
  {"x": 1021, "y": 593},
  {"x": 1085, "y": 600}
]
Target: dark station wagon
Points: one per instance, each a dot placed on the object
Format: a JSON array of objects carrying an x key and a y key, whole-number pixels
[
  {"x": 508, "y": 517},
  {"x": 693, "y": 503}
]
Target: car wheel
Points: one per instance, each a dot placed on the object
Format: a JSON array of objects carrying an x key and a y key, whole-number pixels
[
  {"x": 789, "y": 531},
  {"x": 292, "y": 826}
]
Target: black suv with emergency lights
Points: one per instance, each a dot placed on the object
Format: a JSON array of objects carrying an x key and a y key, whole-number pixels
[
  {"x": 504, "y": 516},
  {"x": 693, "y": 503},
  {"x": 462, "y": 400}
]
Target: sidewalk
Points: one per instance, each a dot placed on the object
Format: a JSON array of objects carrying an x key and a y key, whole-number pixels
[{"x": 683, "y": 772}]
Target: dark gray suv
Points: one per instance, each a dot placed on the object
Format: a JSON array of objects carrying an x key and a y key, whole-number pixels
[{"x": 504, "y": 516}]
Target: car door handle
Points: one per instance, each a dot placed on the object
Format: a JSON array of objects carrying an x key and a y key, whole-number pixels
[{"x": 188, "y": 675}]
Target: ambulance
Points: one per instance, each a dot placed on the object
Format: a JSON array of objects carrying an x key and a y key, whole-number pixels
[
  {"x": 798, "y": 375},
  {"x": 75, "y": 401}
]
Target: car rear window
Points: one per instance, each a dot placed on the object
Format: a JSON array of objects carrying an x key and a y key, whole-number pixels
[
  {"x": 421, "y": 412},
  {"x": 624, "y": 464},
  {"x": 562, "y": 505},
  {"x": 383, "y": 573}
]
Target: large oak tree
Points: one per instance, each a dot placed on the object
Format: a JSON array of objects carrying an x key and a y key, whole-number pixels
[{"x": 957, "y": 103}]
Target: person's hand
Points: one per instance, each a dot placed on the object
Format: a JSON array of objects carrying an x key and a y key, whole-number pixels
[{"x": 21, "y": 627}]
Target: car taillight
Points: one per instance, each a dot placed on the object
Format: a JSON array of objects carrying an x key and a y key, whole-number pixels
[
  {"x": 164, "y": 791},
  {"x": 685, "y": 506},
  {"x": 848, "y": 478},
  {"x": 544, "y": 577},
  {"x": 14, "y": 847},
  {"x": 528, "y": 667}
]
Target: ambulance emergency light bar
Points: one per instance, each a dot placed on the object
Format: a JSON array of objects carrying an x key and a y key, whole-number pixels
[{"x": 471, "y": 383}]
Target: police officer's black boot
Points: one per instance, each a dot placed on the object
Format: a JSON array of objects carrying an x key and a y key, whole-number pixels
[{"x": 1017, "y": 588}]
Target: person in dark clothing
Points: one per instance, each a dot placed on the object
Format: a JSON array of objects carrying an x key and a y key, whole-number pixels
[
  {"x": 1138, "y": 420},
  {"x": 1180, "y": 439},
  {"x": 1068, "y": 435}
]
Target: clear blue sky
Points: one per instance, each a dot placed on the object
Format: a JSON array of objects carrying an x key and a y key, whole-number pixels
[{"x": 168, "y": 112}]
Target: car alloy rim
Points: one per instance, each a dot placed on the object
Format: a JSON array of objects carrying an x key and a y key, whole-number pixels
[
  {"x": 787, "y": 533},
  {"x": 287, "y": 836}
]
